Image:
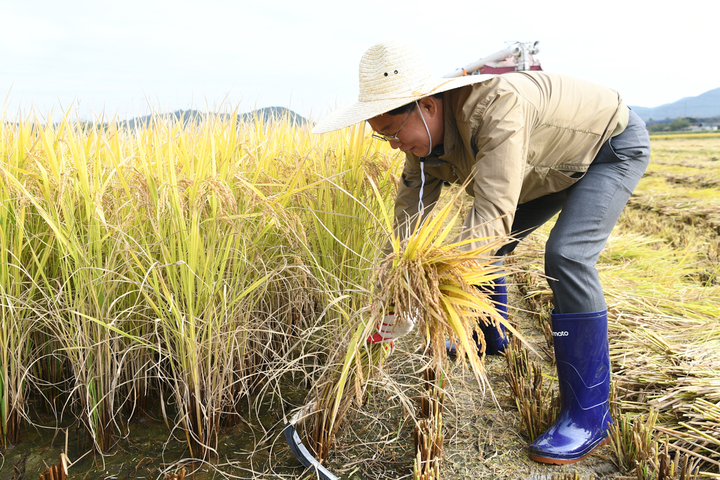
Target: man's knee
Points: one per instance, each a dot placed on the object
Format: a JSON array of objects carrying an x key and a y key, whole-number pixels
[{"x": 561, "y": 260}]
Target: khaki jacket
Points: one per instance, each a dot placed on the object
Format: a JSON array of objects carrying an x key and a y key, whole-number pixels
[{"x": 519, "y": 136}]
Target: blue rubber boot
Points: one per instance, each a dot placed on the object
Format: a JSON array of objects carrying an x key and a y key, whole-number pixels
[
  {"x": 583, "y": 364},
  {"x": 495, "y": 341}
]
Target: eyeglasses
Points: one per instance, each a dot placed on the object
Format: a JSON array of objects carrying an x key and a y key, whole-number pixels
[{"x": 393, "y": 137}]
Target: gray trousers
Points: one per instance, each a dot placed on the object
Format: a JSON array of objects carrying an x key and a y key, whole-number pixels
[{"x": 588, "y": 212}]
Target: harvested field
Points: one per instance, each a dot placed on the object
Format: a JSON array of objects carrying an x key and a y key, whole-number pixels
[{"x": 683, "y": 181}]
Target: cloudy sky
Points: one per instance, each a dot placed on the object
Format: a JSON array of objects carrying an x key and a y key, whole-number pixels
[{"x": 129, "y": 57}]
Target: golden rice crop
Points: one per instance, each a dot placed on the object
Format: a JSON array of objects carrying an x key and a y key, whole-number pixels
[{"x": 205, "y": 261}]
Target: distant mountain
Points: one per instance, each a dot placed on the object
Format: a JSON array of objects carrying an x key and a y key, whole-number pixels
[
  {"x": 277, "y": 113},
  {"x": 706, "y": 105},
  {"x": 265, "y": 115}
]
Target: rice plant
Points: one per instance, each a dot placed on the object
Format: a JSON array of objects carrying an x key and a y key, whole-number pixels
[
  {"x": 17, "y": 294},
  {"x": 63, "y": 187},
  {"x": 160, "y": 259},
  {"x": 204, "y": 256},
  {"x": 16, "y": 290}
]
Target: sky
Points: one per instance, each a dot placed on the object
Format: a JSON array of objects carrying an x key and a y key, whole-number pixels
[{"x": 133, "y": 57}]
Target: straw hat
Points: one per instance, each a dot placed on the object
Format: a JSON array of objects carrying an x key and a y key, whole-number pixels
[{"x": 392, "y": 74}]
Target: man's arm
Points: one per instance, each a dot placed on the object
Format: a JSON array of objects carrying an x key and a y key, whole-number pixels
[{"x": 501, "y": 143}]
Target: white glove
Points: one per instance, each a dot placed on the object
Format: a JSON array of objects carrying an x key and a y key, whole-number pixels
[{"x": 392, "y": 327}]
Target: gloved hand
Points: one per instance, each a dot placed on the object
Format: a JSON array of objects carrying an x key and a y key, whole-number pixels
[{"x": 391, "y": 328}]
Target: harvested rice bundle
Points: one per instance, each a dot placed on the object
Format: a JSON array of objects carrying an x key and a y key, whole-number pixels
[{"x": 435, "y": 282}]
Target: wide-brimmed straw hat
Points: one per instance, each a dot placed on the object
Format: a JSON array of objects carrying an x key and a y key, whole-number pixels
[{"x": 392, "y": 74}]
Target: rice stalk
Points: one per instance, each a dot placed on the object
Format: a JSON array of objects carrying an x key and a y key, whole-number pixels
[
  {"x": 631, "y": 440},
  {"x": 17, "y": 294},
  {"x": 342, "y": 386},
  {"x": 537, "y": 404},
  {"x": 566, "y": 476},
  {"x": 428, "y": 432},
  {"x": 58, "y": 471}
]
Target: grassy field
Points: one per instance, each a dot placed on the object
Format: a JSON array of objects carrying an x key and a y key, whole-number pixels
[{"x": 211, "y": 276}]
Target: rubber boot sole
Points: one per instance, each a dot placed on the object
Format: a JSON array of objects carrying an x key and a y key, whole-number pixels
[{"x": 557, "y": 461}]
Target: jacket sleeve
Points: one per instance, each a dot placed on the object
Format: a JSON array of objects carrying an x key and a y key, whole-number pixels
[
  {"x": 408, "y": 198},
  {"x": 500, "y": 141}
]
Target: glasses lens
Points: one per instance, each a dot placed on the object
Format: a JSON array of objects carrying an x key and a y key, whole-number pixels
[
  {"x": 394, "y": 138},
  {"x": 387, "y": 138}
]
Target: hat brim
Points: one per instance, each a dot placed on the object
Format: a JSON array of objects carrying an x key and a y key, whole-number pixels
[{"x": 361, "y": 111}]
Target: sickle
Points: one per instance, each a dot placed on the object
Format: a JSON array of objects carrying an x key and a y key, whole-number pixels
[{"x": 301, "y": 452}]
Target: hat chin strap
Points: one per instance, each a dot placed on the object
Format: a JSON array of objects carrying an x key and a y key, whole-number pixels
[
  {"x": 421, "y": 206},
  {"x": 426, "y": 128}
]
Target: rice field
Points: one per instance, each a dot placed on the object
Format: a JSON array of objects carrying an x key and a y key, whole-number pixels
[
  {"x": 212, "y": 275},
  {"x": 667, "y": 333},
  {"x": 204, "y": 268}
]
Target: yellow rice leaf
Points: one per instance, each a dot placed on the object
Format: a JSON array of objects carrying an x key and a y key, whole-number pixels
[
  {"x": 461, "y": 298},
  {"x": 461, "y": 333},
  {"x": 475, "y": 303},
  {"x": 448, "y": 228}
]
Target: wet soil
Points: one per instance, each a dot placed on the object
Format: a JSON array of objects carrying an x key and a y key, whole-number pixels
[{"x": 149, "y": 450}]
